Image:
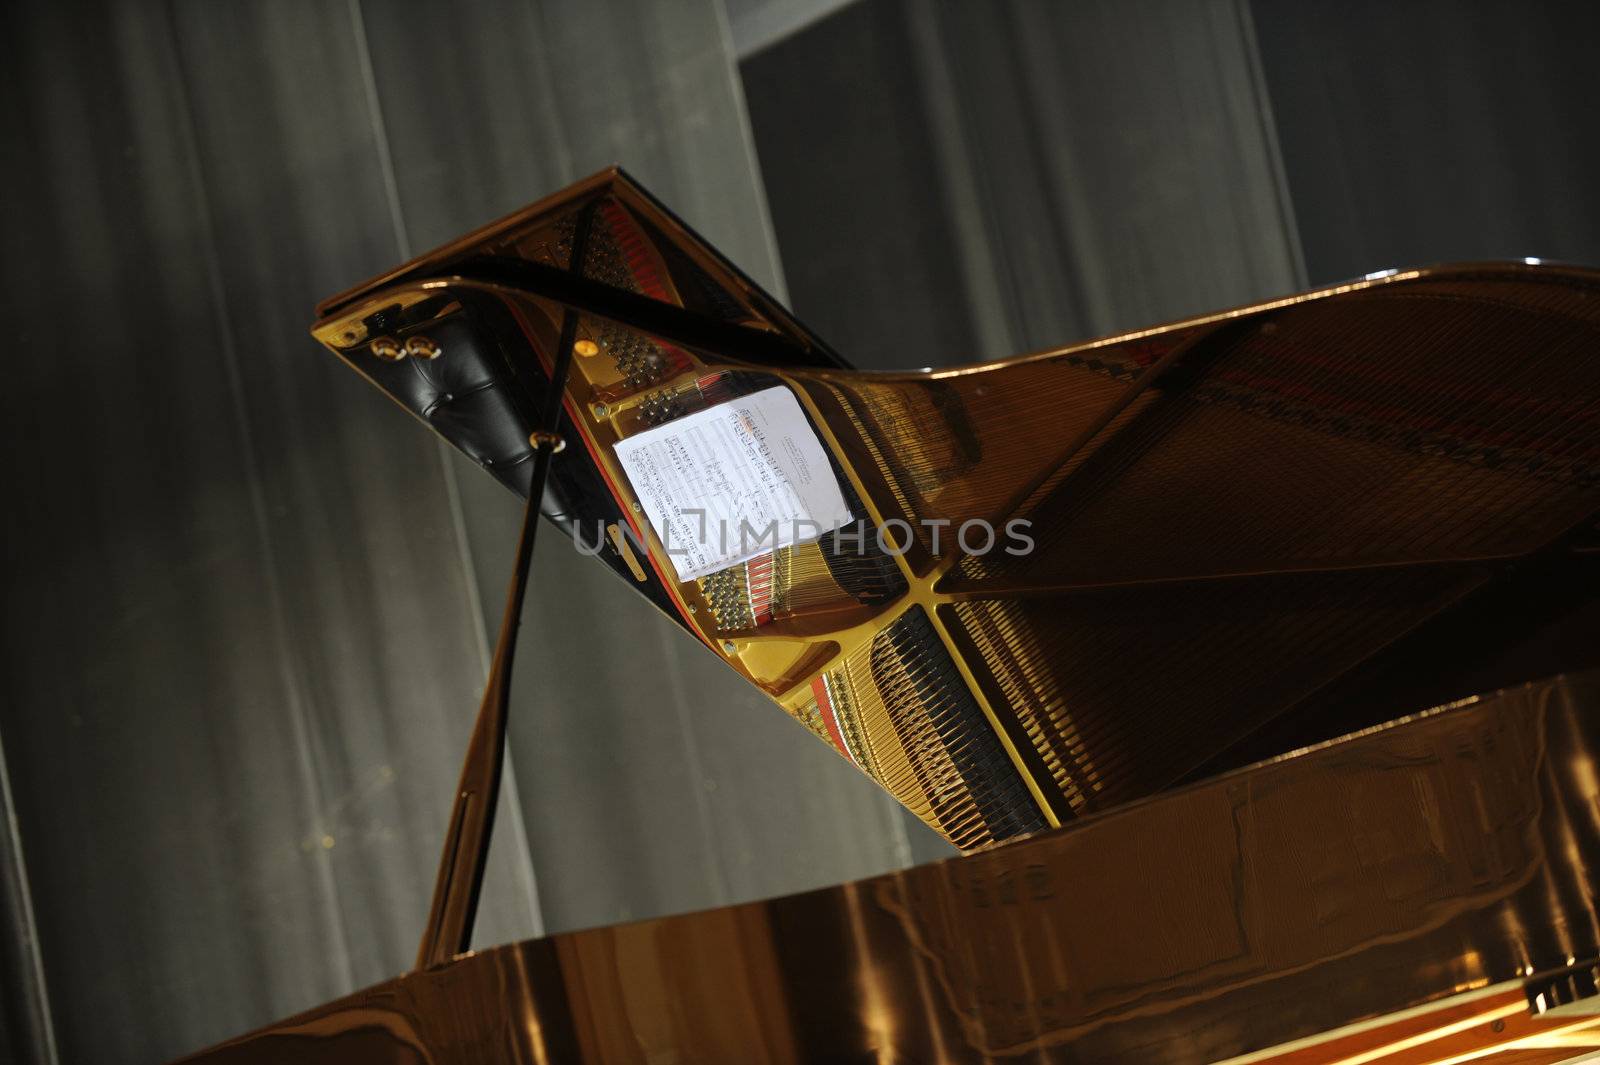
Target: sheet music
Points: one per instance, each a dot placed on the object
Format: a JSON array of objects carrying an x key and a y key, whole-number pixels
[{"x": 731, "y": 482}]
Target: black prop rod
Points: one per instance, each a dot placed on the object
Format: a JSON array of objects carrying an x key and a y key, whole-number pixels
[{"x": 466, "y": 845}]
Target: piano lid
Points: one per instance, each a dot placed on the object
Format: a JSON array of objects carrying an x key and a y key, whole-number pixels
[
  {"x": 1397, "y": 896},
  {"x": 1075, "y": 577}
]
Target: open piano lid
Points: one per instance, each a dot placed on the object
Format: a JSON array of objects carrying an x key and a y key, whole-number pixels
[{"x": 1250, "y": 530}]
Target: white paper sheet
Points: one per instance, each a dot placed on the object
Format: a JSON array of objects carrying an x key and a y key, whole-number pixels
[{"x": 729, "y": 483}]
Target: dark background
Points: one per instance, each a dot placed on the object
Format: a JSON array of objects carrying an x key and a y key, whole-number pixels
[{"x": 248, "y": 602}]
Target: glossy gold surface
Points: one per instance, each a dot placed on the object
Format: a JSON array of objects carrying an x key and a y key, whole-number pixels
[
  {"x": 1384, "y": 898},
  {"x": 1229, "y": 515}
]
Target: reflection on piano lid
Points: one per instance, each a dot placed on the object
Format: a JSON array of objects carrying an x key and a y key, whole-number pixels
[
  {"x": 1126, "y": 563},
  {"x": 1402, "y": 895},
  {"x": 1248, "y": 532}
]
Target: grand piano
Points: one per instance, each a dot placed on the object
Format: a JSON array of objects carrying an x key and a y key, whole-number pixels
[{"x": 1251, "y": 661}]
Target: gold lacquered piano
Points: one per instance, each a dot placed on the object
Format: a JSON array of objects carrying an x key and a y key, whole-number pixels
[
  {"x": 1422, "y": 892},
  {"x": 1074, "y": 610}
]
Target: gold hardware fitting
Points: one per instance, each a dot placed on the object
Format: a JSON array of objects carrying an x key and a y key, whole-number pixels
[
  {"x": 620, "y": 542},
  {"x": 586, "y": 348},
  {"x": 388, "y": 349},
  {"x": 728, "y": 646},
  {"x": 554, "y": 441},
  {"x": 601, "y": 410},
  {"x": 423, "y": 348}
]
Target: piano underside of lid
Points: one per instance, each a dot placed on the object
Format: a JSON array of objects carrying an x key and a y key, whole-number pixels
[
  {"x": 1252, "y": 532},
  {"x": 1402, "y": 895},
  {"x": 1246, "y": 531}
]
